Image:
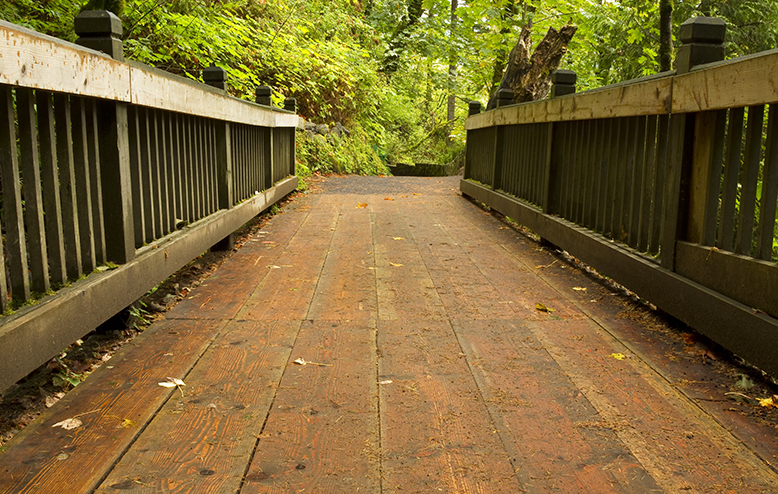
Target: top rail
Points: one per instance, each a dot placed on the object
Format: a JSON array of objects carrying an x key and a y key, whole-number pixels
[{"x": 36, "y": 61}]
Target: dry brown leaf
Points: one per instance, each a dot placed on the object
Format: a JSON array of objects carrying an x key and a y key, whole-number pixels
[{"x": 69, "y": 424}]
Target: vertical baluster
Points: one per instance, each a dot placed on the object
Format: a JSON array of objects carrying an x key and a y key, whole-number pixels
[
  {"x": 769, "y": 196},
  {"x": 628, "y": 167},
  {"x": 663, "y": 146},
  {"x": 93, "y": 133},
  {"x": 83, "y": 184},
  {"x": 566, "y": 140},
  {"x": 584, "y": 135},
  {"x": 33, "y": 200},
  {"x": 601, "y": 176},
  {"x": 139, "y": 218},
  {"x": 613, "y": 177},
  {"x": 188, "y": 149},
  {"x": 731, "y": 174},
  {"x": 147, "y": 182},
  {"x": 647, "y": 184},
  {"x": 749, "y": 179},
  {"x": 67, "y": 181},
  {"x": 714, "y": 180},
  {"x": 252, "y": 163},
  {"x": 55, "y": 242},
  {"x": 590, "y": 200},
  {"x": 163, "y": 163},
  {"x": 214, "y": 166},
  {"x": 636, "y": 188},
  {"x": 156, "y": 167},
  {"x": 176, "y": 161},
  {"x": 199, "y": 168},
  {"x": 15, "y": 245}
]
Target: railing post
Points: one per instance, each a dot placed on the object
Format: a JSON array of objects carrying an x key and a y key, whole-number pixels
[
  {"x": 102, "y": 30},
  {"x": 563, "y": 83},
  {"x": 263, "y": 94},
  {"x": 473, "y": 108},
  {"x": 217, "y": 77},
  {"x": 695, "y": 148},
  {"x": 504, "y": 98}
]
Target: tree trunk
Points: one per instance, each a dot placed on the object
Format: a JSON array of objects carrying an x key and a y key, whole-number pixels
[
  {"x": 452, "y": 75},
  {"x": 529, "y": 76},
  {"x": 399, "y": 39},
  {"x": 665, "y": 35}
]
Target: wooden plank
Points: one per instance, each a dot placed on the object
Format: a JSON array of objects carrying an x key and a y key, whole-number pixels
[
  {"x": 748, "y": 180},
  {"x": 436, "y": 430},
  {"x": 120, "y": 399},
  {"x": 96, "y": 181},
  {"x": 13, "y": 214},
  {"x": 34, "y": 60},
  {"x": 50, "y": 183},
  {"x": 322, "y": 433},
  {"x": 136, "y": 152},
  {"x": 202, "y": 440},
  {"x": 157, "y": 89},
  {"x": 559, "y": 439},
  {"x": 652, "y": 97},
  {"x": 83, "y": 184},
  {"x": 745, "y": 279},
  {"x": 648, "y": 186},
  {"x": 67, "y": 181},
  {"x": 743, "y": 81},
  {"x": 731, "y": 176},
  {"x": 769, "y": 199},
  {"x": 33, "y": 199}
]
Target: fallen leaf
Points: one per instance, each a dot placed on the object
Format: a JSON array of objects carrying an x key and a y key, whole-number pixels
[
  {"x": 274, "y": 267},
  {"x": 397, "y": 265},
  {"x": 416, "y": 194},
  {"x": 744, "y": 382},
  {"x": 579, "y": 288},
  {"x": 543, "y": 308},
  {"x": 388, "y": 199},
  {"x": 127, "y": 423},
  {"x": 618, "y": 356},
  {"x": 769, "y": 402},
  {"x": 388, "y": 381},
  {"x": 69, "y": 424},
  {"x": 62, "y": 456},
  {"x": 361, "y": 205},
  {"x": 398, "y": 238},
  {"x": 301, "y": 361}
]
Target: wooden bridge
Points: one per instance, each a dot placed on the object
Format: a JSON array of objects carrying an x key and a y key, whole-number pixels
[
  {"x": 388, "y": 334},
  {"x": 427, "y": 368}
]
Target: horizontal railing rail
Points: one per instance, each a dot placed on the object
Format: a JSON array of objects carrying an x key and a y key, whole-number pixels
[
  {"x": 114, "y": 175},
  {"x": 668, "y": 184}
]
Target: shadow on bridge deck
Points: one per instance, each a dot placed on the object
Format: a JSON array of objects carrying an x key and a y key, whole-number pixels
[{"x": 427, "y": 368}]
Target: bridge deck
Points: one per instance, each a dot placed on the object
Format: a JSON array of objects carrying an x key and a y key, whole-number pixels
[{"x": 429, "y": 368}]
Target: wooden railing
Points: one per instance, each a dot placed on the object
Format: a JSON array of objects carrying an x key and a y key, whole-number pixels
[
  {"x": 114, "y": 175},
  {"x": 667, "y": 184}
]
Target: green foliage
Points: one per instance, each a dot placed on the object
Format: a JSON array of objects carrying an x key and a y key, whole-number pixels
[{"x": 353, "y": 154}]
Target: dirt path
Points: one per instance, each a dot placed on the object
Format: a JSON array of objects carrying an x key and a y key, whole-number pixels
[{"x": 387, "y": 335}]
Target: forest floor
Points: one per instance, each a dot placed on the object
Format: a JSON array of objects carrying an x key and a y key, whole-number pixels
[{"x": 383, "y": 333}]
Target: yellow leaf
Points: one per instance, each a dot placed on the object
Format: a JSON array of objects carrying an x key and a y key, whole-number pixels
[
  {"x": 617, "y": 356},
  {"x": 579, "y": 289},
  {"x": 416, "y": 194},
  {"x": 397, "y": 265},
  {"x": 361, "y": 205},
  {"x": 769, "y": 402},
  {"x": 543, "y": 308},
  {"x": 128, "y": 423},
  {"x": 398, "y": 238}
]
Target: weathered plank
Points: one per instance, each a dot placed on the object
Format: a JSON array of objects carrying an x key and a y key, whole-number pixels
[
  {"x": 322, "y": 432},
  {"x": 120, "y": 399},
  {"x": 436, "y": 432},
  {"x": 34, "y": 60},
  {"x": 710, "y": 87},
  {"x": 652, "y": 97},
  {"x": 202, "y": 439}
]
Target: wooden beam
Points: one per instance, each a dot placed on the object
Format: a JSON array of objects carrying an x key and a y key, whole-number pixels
[
  {"x": 744, "y": 81},
  {"x": 647, "y": 97}
]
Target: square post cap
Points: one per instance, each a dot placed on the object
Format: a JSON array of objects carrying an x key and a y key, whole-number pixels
[
  {"x": 474, "y": 108},
  {"x": 707, "y": 30},
  {"x": 290, "y": 104},
  {"x": 215, "y": 76},
  {"x": 262, "y": 94},
  {"x": 504, "y": 97},
  {"x": 95, "y": 23},
  {"x": 564, "y": 76}
]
